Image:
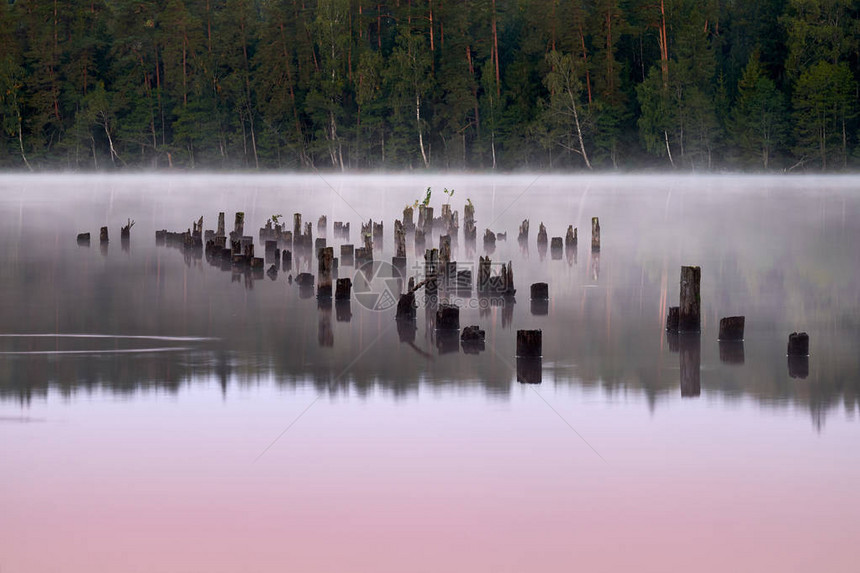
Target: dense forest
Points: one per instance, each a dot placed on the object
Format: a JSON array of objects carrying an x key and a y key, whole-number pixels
[{"x": 416, "y": 84}]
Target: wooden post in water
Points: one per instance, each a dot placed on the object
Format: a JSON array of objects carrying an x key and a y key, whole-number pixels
[
  {"x": 326, "y": 262},
  {"x": 239, "y": 224},
  {"x": 84, "y": 239},
  {"x": 570, "y": 239},
  {"x": 529, "y": 343},
  {"x": 103, "y": 235},
  {"x": 523, "y": 237},
  {"x": 672, "y": 319},
  {"x": 431, "y": 268},
  {"x": 595, "y": 234},
  {"x": 220, "y": 232},
  {"x": 344, "y": 289},
  {"x": 556, "y": 247},
  {"x": 347, "y": 254},
  {"x": 689, "y": 319},
  {"x": 732, "y": 328},
  {"x": 798, "y": 344},
  {"x": 448, "y": 317},
  {"x": 444, "y": 258},
  {"x": 408, "y": 223}
]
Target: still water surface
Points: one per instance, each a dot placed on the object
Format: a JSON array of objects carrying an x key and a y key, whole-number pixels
[{"x": 160, "y": 414}]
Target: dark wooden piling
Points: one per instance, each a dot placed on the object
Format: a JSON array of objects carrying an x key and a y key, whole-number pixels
[
  {"x": 347, "y": 255},
  {"x": 322, "y": 225},
  {"x": 399, "y": 239},
  {"x": 473, "y": 339},
  {"x": 542, "y": 236},
  {"x": 221, "y": 231},
  {"x": 239, "y": 224},
  {"x": 540, "y": 291},
  {"x": 428, "y": 221},
  {"x": 689, "y": 319},
  {"x": 529, "y": 343},
  {"x": 343, "y": 289},
  {"x": 448, "y": 317},
  {"x": 125, "y": 232},
  {"x": 406, "y": 306},
  {"x": 326, "y": 262},
  {"x": 287, "y": 260},
  {"x": 305, "y": 280},
  {"x": 484, "y": 273},
  {"x": 523, "y": 236},
  {"x": 272, "y": 272},
  {"x": 489, "y": 242},
  {"x": 103, "y": 235},
  {"x": 732, "y": 328},
  {"x": 690, "y": 362},
  {"x": 297, "y": 230},
  {"x": 319, "y": 244},
  {"x": 408, "y": 218},
  {"x": 444, "y": 269},
  {"x": 672, "y": 319},
  {"x": 595, "y": 234},
  {"x": 470, "y": 231},
  {"x": 556, "y": 248},
  {"x": 570, "y": 239},
  {"x": 270, "y": 248},
  {"x": 84, "y": 239},
  {"x": 798, "y": 344}
]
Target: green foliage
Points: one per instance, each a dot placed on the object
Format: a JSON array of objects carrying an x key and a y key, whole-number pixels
[{"x": 337, "y": 84}]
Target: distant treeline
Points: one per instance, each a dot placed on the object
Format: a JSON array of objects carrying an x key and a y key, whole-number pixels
[{"x": 475, "y": 84}]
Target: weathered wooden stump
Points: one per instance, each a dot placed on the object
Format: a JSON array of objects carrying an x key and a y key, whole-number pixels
[
  {"x": 690, "y": 362},
  {"x": 431, "y": 269},
  {"x": 305, "y": 279},
  {"x": 103, "y": 235},
  {"x": 570, "y": 239},
  {"x": 672, "y": 319},
  {"x": 484, "y": 273},
  {"x": 428, "y": 221},
  {"x": 523, "y": 236},
  {"x": 419, "y": 240},
  {"x": 408, "y": 218},
  {"x": 272, "y": 272},
  {"x": 378, "y": 235},
  {"x": 448, "y": 317},
  {"x": 125, "y": 232},
  {"x": 556, "y": 248},
  {"x": 689, "y": 319},
  {"x": 271, "y": 247},
  {"x": 473, "y": 340},
  {"x": 489, "y": 241},
  {"x": 540, "y": 291},
  {"x": 326, "y": 262},
  {"x": 343, "y": 290},
  {"x": 322, "y": 225},
  {"x": 595, "y": 234},
  {"x": 529, "y": 343},
  {"x": 239, "y": 224},
  {"x": 84, "y": 239},
  {"x": 399, "y": 239},
  {"x": 287, "y": 260},
  {"x": 297, "y": 230},
  {"x": 798, "y": 344},
  {"x": 542, "y": 236},
  {"x": 221, "y": 230},
  {"x": 406, "y": 306},
  {"x": 732, "y": 351},
  {"x": 732, "y": 328}
]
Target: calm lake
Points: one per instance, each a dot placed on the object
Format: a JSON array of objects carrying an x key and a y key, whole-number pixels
[{"x": 158, "y": 413}]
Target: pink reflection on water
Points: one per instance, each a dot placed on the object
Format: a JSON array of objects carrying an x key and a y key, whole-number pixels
[{"x": 449, "y": 480}]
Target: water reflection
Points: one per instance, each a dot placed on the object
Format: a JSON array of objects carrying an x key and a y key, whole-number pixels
[{"x": 609, "y": 337}]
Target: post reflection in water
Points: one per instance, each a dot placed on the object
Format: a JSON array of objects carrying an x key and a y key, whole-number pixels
[
  {"x": 690, "y": 358},
  {"x": 731, "y": 351}
]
